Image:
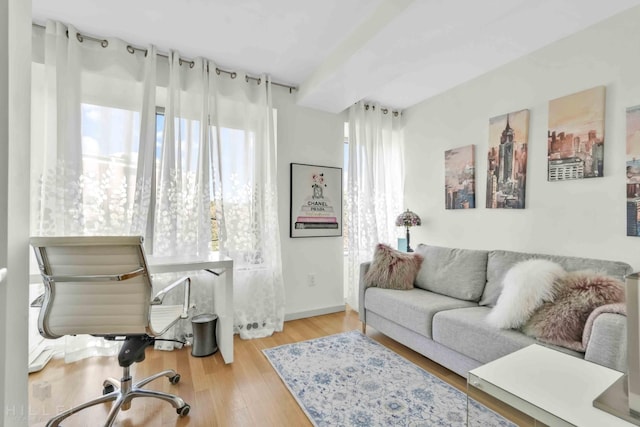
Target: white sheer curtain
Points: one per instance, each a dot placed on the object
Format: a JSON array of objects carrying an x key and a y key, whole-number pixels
[
  {"x": 181, "y": 224},
  {"x": 219, "y": 145},
  {"x": 375, "y": 186},
  {"x": 86, "y": 166},
  {"x": 105, "y": 162},
  {"x": 182, "y": 220},
  {"x": 89, "y": 111},
  {"x": 246, "y": 198}
]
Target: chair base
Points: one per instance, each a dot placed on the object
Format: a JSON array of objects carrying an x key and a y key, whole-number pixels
[{"x": 122, "y": 392}]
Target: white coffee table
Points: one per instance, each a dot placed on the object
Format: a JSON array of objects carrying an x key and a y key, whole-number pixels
[{"x": 550, "y": 386}]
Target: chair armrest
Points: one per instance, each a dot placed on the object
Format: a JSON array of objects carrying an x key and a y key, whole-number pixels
[
  {"x": 38, "y": 301},
  {"x": 364, "y": 267},
  {"x": 97, "y": 277},
  {"x": 186, "y": 281}
]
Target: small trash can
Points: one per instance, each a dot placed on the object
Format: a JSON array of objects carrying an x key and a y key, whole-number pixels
[{"x": 204, "y": 335}]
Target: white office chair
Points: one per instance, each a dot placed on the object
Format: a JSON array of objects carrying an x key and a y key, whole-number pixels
[{"x": 101, "y": 286}]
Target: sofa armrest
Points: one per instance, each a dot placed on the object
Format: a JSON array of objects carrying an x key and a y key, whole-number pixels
[
  {"x": 607, "y": 344},
  {"x": 364, "y": 267}
]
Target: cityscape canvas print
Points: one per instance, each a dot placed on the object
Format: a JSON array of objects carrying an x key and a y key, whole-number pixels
[
  {"x": 633, "y": 171},
  {"x": 460, "y": 177},
  {"x": 576, "y": 135},
  {"x": 507, "y": 160}
]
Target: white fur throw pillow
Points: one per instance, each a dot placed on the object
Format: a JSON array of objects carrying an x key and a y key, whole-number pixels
[{"x": 525, "y": 287}]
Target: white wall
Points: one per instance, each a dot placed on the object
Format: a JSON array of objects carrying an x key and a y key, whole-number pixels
[
  {"x": 15, "y": 83},
  {"x": 581, "y": 218},
  {"x": 313, "y": 137}
]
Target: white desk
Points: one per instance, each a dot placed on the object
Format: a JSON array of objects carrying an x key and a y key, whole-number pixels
[
  {"x": 550, "y": 386},
  {"x": 220, "y": 265}
]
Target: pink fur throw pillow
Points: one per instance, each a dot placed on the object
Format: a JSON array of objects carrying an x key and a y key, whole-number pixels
[
  {"x": 392, "y": 269},
  {"x": 562, "y": 321}
]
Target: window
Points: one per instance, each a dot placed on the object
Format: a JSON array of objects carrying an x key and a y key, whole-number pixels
[
  {"x": 110, "y": 146},
  {"x": 110, "y": 139},
  {"x": 187, "y": 131},
  {"x": 109, "y": 161}
]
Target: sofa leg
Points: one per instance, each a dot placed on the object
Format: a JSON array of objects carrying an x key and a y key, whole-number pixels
[{"x": 364, "y": 328}]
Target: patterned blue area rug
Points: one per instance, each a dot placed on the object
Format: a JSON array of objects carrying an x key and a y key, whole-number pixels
[{"x": 349, "y": 379}]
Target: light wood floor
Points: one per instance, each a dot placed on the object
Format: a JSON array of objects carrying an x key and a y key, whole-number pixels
[{"x": 247, "y": 392}]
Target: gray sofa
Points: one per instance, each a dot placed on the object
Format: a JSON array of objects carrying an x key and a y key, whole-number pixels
[{"x": 443, "y": 317}]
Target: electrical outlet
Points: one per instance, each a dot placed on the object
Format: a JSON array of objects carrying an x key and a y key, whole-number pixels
[{"x": 311, "y": 279}]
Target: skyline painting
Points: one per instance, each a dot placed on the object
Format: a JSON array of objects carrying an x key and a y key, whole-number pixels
[
  {"x": 575, "y": 139},
  {"x": 633, "y": 171},
  {"x": 459, "y": 168},
  {"x": 507, "y": 160}
]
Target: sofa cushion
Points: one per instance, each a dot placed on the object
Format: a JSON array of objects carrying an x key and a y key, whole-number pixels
[
  {"x": 466, "y": 331},
  {"x": 392, "y": 269},
  {"x": 458, "y": 273},
  {"x": 414, "y": 308},
  {"x": 499, "y": 262}
]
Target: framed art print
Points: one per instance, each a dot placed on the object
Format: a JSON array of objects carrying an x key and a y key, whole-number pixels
[
  {"x": 507, "y": 160},
  {"x": 460, "y": 178},
  {"x": 633, "y": 171},
  {"x": 316, "y": 201},
  {"x": 575, "y": 139}
]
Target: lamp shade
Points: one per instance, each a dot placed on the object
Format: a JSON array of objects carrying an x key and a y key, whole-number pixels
[{"x": 408, "y": 219}]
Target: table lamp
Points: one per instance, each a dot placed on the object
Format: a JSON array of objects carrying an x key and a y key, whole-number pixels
[{"x": 408, "y": 219}]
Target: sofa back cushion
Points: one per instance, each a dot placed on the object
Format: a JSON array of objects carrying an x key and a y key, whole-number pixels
[
  {"x": 500, "y": 262},
  {"x": 458, "y": 273}
]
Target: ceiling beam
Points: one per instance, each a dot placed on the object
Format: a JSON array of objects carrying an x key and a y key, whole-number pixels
[{"x": 311, "y": 92}]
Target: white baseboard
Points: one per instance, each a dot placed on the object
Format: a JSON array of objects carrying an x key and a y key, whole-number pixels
[{"x": 311, "y": 313}]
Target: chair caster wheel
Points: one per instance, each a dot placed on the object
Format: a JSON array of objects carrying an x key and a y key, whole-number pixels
[
  {"x": 175, "y": 379},
  {"x": 108, "y": 389},
  {"x": 184, "y": 411}
]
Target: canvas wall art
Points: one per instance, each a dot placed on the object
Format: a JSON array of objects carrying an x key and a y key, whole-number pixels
[
  {"x": 460, "y": 177},
  {"x": 507, "y": 160},
  {"x": 316, "y": 201},
  {"x": 576, "y": 135},
  {"x": 633, "y": 171}
]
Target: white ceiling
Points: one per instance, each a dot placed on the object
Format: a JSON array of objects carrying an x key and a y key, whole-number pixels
[{"x": 337, "y": 52}]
